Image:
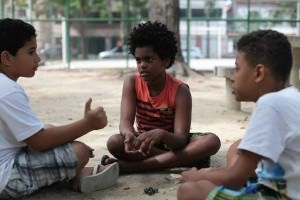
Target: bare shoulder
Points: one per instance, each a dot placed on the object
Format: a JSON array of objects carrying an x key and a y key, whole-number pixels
[
  {"x": 183, "y": 91},
  {"x": 129, "y": 79},
  {"x": 183, "y": 97},
  {"x": 129, "y": 84}
]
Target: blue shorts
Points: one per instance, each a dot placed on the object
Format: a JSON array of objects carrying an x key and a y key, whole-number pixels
[{"x": 33, "y": 170}]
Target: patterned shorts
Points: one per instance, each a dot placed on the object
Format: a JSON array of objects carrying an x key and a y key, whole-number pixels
[
  {"x": 33, "y": 170},
  {"x": 202, "y": 163},
  {"x": 192, "y": 135},
  {"x": 261, "y": 192}
]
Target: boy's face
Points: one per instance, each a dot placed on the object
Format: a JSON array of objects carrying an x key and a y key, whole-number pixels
[
  {"x": 243, "y": 80},
  {"x": 150, "y": 65},
  {"x": 25, "y": 62}
]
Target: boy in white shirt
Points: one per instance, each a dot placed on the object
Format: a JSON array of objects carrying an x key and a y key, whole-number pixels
[
  {"x": 31, "y": 155},
  {"x": 270, "y": 146}
]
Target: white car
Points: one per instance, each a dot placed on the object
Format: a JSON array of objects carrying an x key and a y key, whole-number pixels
[
  {"x": 116, "y": 52},
  {"x": 195, "y": 53}
]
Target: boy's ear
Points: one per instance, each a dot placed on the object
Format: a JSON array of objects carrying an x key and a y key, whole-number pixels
[
  {"x": 167, "y": 60},
  {"x": 260, "y": 72},
  {"x": 5, "y": 57}
]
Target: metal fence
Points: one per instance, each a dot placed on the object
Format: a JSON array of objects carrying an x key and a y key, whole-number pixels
[{"x": 71, "y": 30}]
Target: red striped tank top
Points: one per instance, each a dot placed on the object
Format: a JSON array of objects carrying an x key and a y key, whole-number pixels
[{"x": 159, "y": 111}]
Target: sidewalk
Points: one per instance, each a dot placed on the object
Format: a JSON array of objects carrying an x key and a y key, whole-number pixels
[{"x": 197, "y": 64}]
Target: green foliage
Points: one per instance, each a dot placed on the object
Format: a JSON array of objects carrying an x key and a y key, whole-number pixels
[
  {"x": 102, "y": 8},
  {"x": 256, "y": 26},
  {"x": 88, "y": 8},
  {"x": 208, "y": 6},
  {"x": 286, "y": 9},
  {"x": 138, "y": 8},
  {"x": 21, "y": 3}
]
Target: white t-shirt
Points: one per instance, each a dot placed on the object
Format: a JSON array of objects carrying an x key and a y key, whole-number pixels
[
  {"x": 274, "y": 133},
  {"x": 17, "y": 122}
]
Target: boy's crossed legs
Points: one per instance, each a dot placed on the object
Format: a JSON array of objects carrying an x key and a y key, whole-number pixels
[
  {"x": 196, "y": 150},
  {"x": 33, "y": 170}
]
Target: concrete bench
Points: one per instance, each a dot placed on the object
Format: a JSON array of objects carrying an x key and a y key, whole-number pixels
[
  {"x": 295, "y": 73},
  {"x": 226, "y": 72}
]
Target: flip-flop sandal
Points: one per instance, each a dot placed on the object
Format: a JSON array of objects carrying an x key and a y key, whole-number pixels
[
  {"x": 104, "y": 159},
  {"x": 100, "y": 180}
]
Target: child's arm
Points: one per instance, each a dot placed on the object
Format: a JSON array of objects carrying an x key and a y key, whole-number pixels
[
  {"x": 51, "y": 137},
  {"x": 182, "y": 123},
  {"x": 128, "y": 109},
  {"x": 233, "y": 177}
]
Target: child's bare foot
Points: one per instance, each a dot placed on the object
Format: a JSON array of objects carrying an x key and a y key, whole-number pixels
[{"x": 106, "y": 160}]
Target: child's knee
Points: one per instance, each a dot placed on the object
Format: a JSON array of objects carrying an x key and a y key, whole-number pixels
[
  {"x": 214, "y": 142},
  {"x": 115, "y": 143},
  {"x": 82, "y": 151}
]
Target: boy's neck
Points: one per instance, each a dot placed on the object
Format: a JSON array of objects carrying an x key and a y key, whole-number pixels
[
  {"x": 6, "y": 74},
  {"x": 273, "y": 86},
  {"x": 157, "y": 86}
]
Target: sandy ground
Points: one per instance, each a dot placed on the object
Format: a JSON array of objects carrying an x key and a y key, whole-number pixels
[{"x": 58, "y": 97}]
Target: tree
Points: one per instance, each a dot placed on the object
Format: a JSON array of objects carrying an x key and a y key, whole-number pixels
[
  {"x": 82, "y": 9},
  {"x": 98, "y": 8},
  {"x": 167, "y": 12},
  {"x": 79, "y": 10},
  {"x": 286, "y": 10}
]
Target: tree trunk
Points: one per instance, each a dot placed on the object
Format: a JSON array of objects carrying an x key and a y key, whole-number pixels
[
  {"x": 83, "y": 42},
  {"x": 167, "y": 12}
]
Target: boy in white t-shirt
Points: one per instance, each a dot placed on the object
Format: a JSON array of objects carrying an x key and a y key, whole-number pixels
[
  {"x": 31, "y": 155},
  {"x": 270, "y": 146}
]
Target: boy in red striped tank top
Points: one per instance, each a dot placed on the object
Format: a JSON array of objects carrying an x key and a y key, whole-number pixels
[{"x": 160, "y": 105}]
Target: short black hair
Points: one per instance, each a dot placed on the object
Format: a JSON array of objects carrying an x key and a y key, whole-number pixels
[
  {"x": 155, "y": 35},
  {"x": 14, "y": 33},
  {"x": 270, "y": 48}
]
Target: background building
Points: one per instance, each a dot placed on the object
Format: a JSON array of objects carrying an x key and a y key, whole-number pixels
[{"x": 80, "y": 29}]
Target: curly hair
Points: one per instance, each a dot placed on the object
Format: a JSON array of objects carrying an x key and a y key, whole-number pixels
[
  {"x": 270, "y": 48},
  {"x": 14, "y": 33},
  {"x": 155, "y": 35}
]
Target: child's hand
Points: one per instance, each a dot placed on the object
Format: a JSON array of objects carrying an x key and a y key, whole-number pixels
[
  {"x": 96, "y": 118},
  {"x": 129, "y": 143},
  {"x": 190, "y": 175},
  {"x": 194, "y": 174},
  {"x": 145, "y": 141}
]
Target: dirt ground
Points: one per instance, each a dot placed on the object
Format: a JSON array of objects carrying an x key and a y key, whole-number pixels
[{"x": 58, "y": 97}]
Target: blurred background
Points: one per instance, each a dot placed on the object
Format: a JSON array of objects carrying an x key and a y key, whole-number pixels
[{"x": 73, "y": 30}]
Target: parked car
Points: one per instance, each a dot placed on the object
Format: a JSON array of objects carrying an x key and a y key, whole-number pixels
[
  {"x": 122, "y": 52},
  {"x": 50, "y": 51},
  {"x": 195, "y": 53},
  {"x": 116, "y": 52}
]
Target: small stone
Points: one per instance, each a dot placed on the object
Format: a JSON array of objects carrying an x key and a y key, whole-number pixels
[{"x": 150, "y": 190}]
